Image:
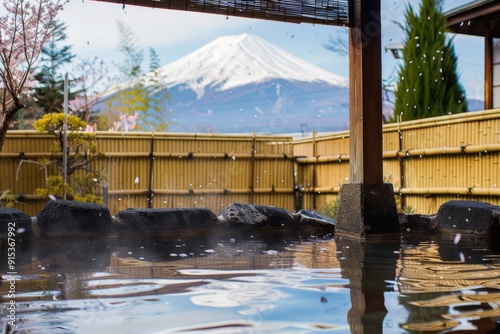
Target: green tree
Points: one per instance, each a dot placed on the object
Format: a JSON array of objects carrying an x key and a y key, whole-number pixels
[
  {"x": 49, "y": 93},
  {"x": 428, "y": 83},
  {"x": 142, "y": 92}
]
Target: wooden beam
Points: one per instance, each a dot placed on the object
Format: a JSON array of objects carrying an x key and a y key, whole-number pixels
[
  {"x": 473, "y": 14},
  {"x": 365, "y": 92}
]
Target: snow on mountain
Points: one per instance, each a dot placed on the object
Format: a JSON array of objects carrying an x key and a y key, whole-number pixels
[
  {"x": 233, "y": 61},
  {"x": 238, "y": 84}
]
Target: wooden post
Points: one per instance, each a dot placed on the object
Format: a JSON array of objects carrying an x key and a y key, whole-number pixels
[
  {"x": 488, "y": 67},
  {"x": 366, "y": 205},
  {"x": 365, "y": 92}
]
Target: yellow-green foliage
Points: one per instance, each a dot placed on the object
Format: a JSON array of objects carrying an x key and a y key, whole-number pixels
[
  {"x": 55, "y": 187},
  {"x": 81, "y": 145},
  {"x": 81, "y": 149},
  {"x": 54, "y": 123},
  {"x": 89, "y": 198},
  {"x": 7, "y": 200},
  {"x": 89, "y": 187},
  {"x": 330, "y": 208}
]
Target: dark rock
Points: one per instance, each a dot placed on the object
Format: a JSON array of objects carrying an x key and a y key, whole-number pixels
[
  {"x": 13, "y": 220},
  {"x": 311, "y": 223},
  {"x": 312, "y": 217},
  {"x": 146, "y": 222},
  {"x": 256, "y": 215},
  {"x": 416, "y": 222},
  {"x": 68, "y": 218},
  {"x": 469, "y": 217}
]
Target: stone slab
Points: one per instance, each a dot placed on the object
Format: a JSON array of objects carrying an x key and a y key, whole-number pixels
[
  {"x": 150, "y": 221},
  {"x": 63, "y": 218},
  {"x": 468, "y": 217}
]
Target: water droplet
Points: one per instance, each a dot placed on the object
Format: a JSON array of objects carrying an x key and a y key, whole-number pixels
[{"x": 461, "y": 256}]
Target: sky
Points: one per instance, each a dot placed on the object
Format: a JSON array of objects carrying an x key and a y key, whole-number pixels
[{"x": 92, "y": 31}]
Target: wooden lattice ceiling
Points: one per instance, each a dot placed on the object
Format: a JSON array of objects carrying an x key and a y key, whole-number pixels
[{"x": 327, "y": 12}]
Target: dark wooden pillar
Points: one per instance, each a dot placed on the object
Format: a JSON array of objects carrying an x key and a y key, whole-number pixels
[
  {"x": 365, "y": 92},
  {"x": 488, "y": 68},
  {"x": 366, "y": 204}
]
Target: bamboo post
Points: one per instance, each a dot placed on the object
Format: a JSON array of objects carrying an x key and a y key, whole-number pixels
[
  {"x": 251, "y": 186},
  {"x": 401, "y": 160},
  {"x": 151, "y": 168},
  {"x": 65, "y": 140},
  {"x": 314, "y": 172}
]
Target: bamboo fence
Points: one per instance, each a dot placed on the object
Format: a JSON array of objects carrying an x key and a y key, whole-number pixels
[
  {"x": 164, "y": 170},
  {"x": 428, "y": 161}
]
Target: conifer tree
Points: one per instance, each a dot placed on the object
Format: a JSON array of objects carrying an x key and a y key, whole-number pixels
[
  {"x": 54, "y": 56},
  {"x": 428, "y": 83}
]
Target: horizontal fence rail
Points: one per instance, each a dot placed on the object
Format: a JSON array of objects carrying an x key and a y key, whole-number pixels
[{"x": 428, "y": 161}]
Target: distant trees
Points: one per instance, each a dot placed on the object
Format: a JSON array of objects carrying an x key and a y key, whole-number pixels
[
  {"x": 428, "y": 83},
  {"x": 142, "y": 94},
  {"x": 24, "y": 30},
  {"x": 91, "y": 78}
]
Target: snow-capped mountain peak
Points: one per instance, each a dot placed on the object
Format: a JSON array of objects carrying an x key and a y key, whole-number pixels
[{"x": 234, "y": 61}]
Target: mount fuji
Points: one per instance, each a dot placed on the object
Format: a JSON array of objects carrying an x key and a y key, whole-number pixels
[{"x": 242, "y": 83}]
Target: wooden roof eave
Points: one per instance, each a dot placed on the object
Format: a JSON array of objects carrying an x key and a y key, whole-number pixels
[
  {"x": 473, "y": 18},
  {"x": 326, "y": 12}
]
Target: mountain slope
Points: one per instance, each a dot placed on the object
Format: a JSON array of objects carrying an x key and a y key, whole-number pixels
[
  {"x": 233, "y": 61},
  {"x": 243, "y": 83}
]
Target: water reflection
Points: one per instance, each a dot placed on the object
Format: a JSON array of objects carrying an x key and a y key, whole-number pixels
[
  {"x": 448, "y": 282},
  {"x": 262, "y": 283},
  {"x": 369, "y": 265}
]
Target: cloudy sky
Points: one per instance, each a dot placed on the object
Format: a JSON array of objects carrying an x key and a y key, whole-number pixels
[{"x": 92, "y": 30}]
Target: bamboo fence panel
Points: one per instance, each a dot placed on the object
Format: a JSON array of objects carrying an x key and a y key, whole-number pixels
[
  {"x": 167, "y": 170},
  {"x": 428, "y": 161}
]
